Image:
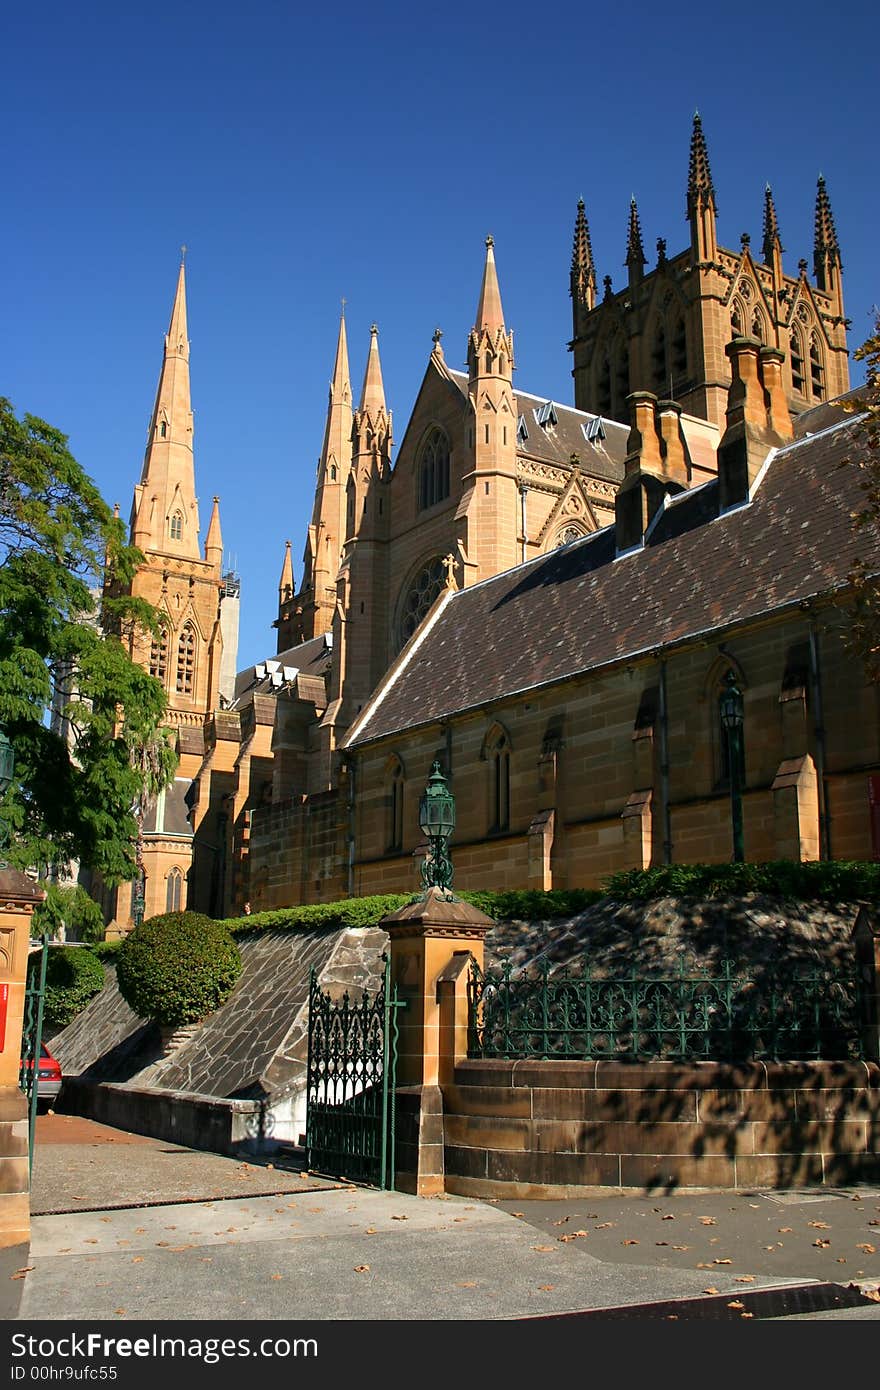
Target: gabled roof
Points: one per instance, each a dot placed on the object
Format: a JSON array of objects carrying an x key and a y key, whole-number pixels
[
  {"x": 580, "y": 608},
  {"x": 267, "y": 677}
]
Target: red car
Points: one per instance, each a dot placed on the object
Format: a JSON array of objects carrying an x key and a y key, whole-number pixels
[{"x": 48, "y": 1076}]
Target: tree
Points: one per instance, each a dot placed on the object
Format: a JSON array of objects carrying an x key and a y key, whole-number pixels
[
  {"x": 177, "y": 968},
  {"x": 864, "y": 633},
  {"x": 75, "y": 791},
  {"x": 68, "y": 906}
]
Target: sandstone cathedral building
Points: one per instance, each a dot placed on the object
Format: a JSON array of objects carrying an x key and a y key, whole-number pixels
[{"x": 547, "y": 598}]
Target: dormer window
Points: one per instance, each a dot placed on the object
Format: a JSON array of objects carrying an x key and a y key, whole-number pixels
[
  {"x": 176, "y": 526},
  {"x": 546, "y": 415},
  {"x": 594, "y": 429},
  {"x": 522, "y": 433}
]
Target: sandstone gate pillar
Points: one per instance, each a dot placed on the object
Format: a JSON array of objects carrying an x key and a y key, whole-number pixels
[
  {"x": 18, "y": 898},
  {"x": 430, "y": 939}
]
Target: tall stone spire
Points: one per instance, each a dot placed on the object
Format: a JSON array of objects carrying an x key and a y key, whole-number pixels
[
  {"x": 490, "y": 315},
  {"x": 165, "y": 510},
  {"x": 583, "y": 270},
  {"x": 285, "y": 583},
  {"x": 635, "y": 251},
  {"x": 826, "y": 248},
  {"x": 701, "y": 209},
  {"x": 214, "y": 538},
  {"x": 771, "y": 244},
  {"x": 373, "y": 391}
]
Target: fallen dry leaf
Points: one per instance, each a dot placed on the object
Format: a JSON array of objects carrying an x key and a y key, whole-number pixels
[
  {"x": 711, "y": 1289},
  {"x": 604, "y": 1225},
  {"x": 784, "y": 1230},
  {"x": 361, "y": 1269},
  {"x": 681, "y": 1247},
  {"x": 661, "y": 1242},
  {"x": 708, "y": 1221},
  {"x": 701, "y": 1265},
  {"x": 469, "y": 1284},
  {"x": 629, "y": 1242},
  {"x": 868, "y": 1249},
  {"x": 370, "y": 1231},
  {"x": 744, "y": 1279},
  {"x": 819, "y": 1225},
  {"x": 120, "y": 1312},
  {"x": 667, "y": 1218},
  {"x": 140, "y": 1230},
  {"x": 735, "y": 1303},
  {"x": 722, "y": 1262},
  {"x": 137, "y": 1259},
  {"x": 542, "y": 1247},
  {"x": 276, "y": 1276},
  {"x": 822, "y": 1244},
  {"x": 873, "y": 1294},
  {"x": 561, "y": 1222},
  {"x": 406, "y": 1218},
  {"x": 747, "y": 1315},
  {"x": 841, "y": 1259},
  {"x": 545, "y": 1288}
]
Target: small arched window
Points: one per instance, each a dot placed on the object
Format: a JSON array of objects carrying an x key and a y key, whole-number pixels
[
  {"x": 433, "y": 469},
  {"x": 186, "y": 660},
  {"x": 176, "y": 526},
  {"x": 163, "y": 430},
  {"x": 498, "y": 758},
  {"x": 736, "y": 320},
  {"x": 333, "y": 472},
  {"x": 396, "y": 784},
  {"x": 758, "y": 326},
  {"x": 173, "y": 890}
]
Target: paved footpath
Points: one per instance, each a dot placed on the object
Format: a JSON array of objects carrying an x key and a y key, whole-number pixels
[{"x": 126, "y": 1228}]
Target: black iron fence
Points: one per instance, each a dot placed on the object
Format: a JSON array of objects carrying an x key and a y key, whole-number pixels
[{"x": 729, "y": 1016}]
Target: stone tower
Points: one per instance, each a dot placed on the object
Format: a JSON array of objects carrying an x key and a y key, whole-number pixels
[
  {"x": 187, "y": 586},
  {"x": 489, "y": 506},
  {"x": 667, "y": 330}
]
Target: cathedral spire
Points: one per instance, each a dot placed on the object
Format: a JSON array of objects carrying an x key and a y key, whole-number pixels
[
  {"x": 701, "y": 209},
  {"x": 170, "y": 523},
  {"x": 373, "y": 393},
  {"x": 340, "y": 386},
  {"x": 583, "y": 270},
  {"x": 826, "y": 249},
  {"x": 490, "y": 315},
  {"x": 635, "y": 251}
]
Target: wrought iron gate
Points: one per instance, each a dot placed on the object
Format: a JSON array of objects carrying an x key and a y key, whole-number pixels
[
  {"x": 352, "y": 1067},
  {"x": 32, "y": 1036}
]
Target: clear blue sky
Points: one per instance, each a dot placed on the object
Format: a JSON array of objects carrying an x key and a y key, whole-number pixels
[{"x": 306, "y": 153}]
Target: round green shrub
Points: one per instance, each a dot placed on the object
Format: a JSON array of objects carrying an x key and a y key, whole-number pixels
[
  {"x": 177, "y": 968},
  {"x": 74, "y": 975}
]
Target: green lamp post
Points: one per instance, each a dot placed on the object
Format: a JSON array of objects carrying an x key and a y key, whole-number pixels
[
  {"x": 732, "y": 721},
  {"x": 437, "y": 822}
]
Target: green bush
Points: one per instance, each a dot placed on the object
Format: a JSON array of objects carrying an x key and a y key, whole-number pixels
[
  {"x": 74, "y": 975},
  {"x": 177, "y": 967},
  {"x": 532, "y": 905}
]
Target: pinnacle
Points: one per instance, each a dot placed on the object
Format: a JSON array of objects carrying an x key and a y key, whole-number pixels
[
  {"x": 490, "y": 314},
  {"x": 699, "y": 173},
  {"x": 635, "y": 251},
  {"x": 771, "y": 238},
  {"x": 373, "y": 393},
  {"x": 582, "y": 251}
]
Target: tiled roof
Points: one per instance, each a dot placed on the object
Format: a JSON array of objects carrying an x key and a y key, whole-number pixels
[
  {"x": 267, "y": 677},
  {"x": 555, "y": 444},
  {"x": 579, "y": 608}
]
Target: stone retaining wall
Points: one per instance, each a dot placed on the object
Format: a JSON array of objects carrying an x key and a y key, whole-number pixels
[{"x": 550, "y": 1129}]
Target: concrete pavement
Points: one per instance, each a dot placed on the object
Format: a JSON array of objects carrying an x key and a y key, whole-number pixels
[{"x": 127, "y": 1228}]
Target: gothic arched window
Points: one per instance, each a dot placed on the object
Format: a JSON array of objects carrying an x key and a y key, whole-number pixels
[
  {"x": 736, "y": 320},
  {"x": 173, "y": 885},
  {"x": 621, "y": 377},
  {"x": 497, "y": 753},
  {"x": 817, "y": 375},
  {"x": 395, "y": 788},
  {"x": 186, "y": 661},
  {"x": 679, "y": 353},
  {"x": 433, "y": 469},
  {"x": 797, "y": 362},
  {"x": 163, "y": 430},
  {"x": 159, "y": 656},
  {"x": 758, "y": 326},
  {"x": 176, "y": 526},
  {"x": 603, "y": 387},
  {"x": 658, "y": 360}
]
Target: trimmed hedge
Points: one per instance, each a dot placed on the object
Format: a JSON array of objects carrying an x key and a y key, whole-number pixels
[
  {"x": 349, "y": 912},
  {"x": 177, "y": 968},
  {"x": 73, "y": 977},
  {"x": 833, "y": 881}
]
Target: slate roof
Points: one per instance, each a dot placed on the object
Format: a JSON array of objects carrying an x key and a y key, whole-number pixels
[
  {"x": 579, "y": 608},
  {"x": 601, "y": 458},
  {"x": 310, "y": 658}
]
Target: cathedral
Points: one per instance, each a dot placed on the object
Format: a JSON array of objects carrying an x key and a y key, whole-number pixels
[{"x": 546, "y": 598}]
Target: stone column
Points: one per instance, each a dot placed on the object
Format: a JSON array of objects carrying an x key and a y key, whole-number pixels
[
  {"x": 18, "y": 898},
  {"x": 425, "y": 935}
]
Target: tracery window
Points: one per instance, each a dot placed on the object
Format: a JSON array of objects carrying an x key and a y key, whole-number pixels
[
  {"x": 186, "y": 660},
  {"x": 176, "y": 526},
  {"x": 159, "y": 656},
  {"x": 817, "y": 375},
  {"x": 433, "y": 471},
  {"x": 498, "y": 758},
  {"x": 173, "y": 885},
  {"x": 395, "y": 797},
  {"x": 422, "y": 593},
  {"x": 797, "y": 362}
]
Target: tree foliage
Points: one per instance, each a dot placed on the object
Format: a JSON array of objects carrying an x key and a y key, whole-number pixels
[
  {"x": 177, "y": 967},
  {"x": 74, "y": 975},
  {"x": 864, "y": 633},
  {"x": 68, "y": 906},
  {"x": 73, "y": 796}
]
